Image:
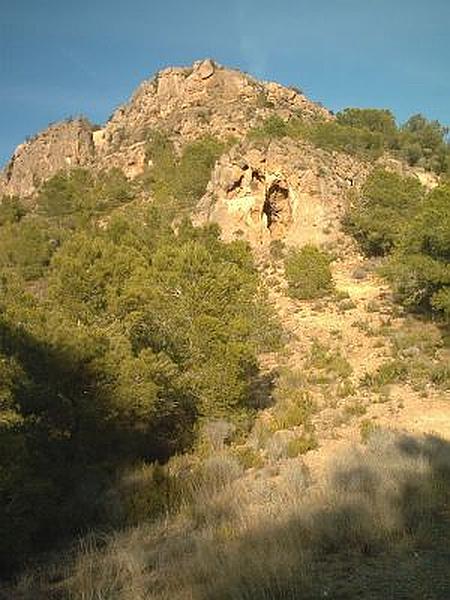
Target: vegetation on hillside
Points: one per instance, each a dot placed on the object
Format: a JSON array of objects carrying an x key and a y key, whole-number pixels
[
  {"x": 395, "y": 216},
  {"x": 369, "y": 530},
  {"x": 118, "y": 337},
  {"x": 386, "y": 204},
  {"x": 368, "y": 133},
  {"x": 179, "y": 182},
  {"x": 308, "y": 273},
  {"x": 419, "y": 268},
  {"x": 129, "y": 346}
]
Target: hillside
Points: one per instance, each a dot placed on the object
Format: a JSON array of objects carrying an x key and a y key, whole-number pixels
[
  {"x": 187, "y": 103},
  {"x": 224, "y": 350}
]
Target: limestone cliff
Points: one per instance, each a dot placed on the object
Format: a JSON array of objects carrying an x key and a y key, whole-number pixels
[
  {"x": 64, "y": 145},
  {"x": 285, "y": 189},
  {"x": 186, "y": 102},
  {"x": 258, "y": 190}
]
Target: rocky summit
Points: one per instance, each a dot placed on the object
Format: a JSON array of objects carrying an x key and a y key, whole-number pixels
[
  {"x": 262, "y": 192},
  {"x": 187, "y": 102}
]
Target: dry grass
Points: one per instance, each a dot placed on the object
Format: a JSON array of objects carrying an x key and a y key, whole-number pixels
[{"x": 378, "y": 516}]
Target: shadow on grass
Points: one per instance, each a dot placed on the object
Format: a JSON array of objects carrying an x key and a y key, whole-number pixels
[{"x": 380, "y": 530}]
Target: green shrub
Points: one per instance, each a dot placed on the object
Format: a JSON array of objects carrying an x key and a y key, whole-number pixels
[
  {"x": 182, "y": 179},
  {"x": 333, "y": 135},
  {"x": 386, "y": 205},
  {"x": 440, "y": 375},
  {"x": 424, "y": 143},
  {"x": 308, "y": 273},
  {"x": 291, "y": 414},
  {"x": 419, "y": 268},
  {"x": 331, "y": 362},
  {"x": 302, "y": 445},
  {"x": 74, "y": 197},
  {"x": 393, "y": 371},
  {"x": 271, "y": 128},
  {"x": 26, "y": 247},
  {"x": 12, "y": 210},
  {"x": 376, "y": 120}
]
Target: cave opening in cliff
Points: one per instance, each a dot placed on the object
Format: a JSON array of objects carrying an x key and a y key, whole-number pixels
[{"x": 277, "y": 209}]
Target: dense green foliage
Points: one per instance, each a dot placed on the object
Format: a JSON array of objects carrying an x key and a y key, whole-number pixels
[
  {"x": 78, "y": 195},
  {"x": 117, "y": 337},
  {"x": 420, "y": 265},
  {"x": 66, "y": 202},
  {"x": 180, "y": 181},
  {"x": 11, "y": 210},
  {"x": 308, "y": 273},
  {"x": 386, "y": 204},
  {"x": 368, "y": 133},
  {"x": 424, "y": 143},
  {"x": 374, "y": 119},
  {"x": 333, "y": 135},
  {"x": 395, "y": 217}
]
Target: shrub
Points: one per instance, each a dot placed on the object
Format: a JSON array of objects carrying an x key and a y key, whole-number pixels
[
  {"x": 308, "y": 273},
  {"x": 182, "y": 179},
  {"x": 419, "y": 268},
  {"x": 302, "y": 445},
  {"x": 374, "y": 119},
  {"x": 26, "y": 247},
  {"x": 271, "y": 128},
  {"x": 333, "y": 135},
  {"x": 331, "y": 362},
  {"x": 387, "y": 203},
  {"x": 75, "y": 196},
  {"x": 294, "y": 404},
  {"x": 390, "y": 372},
  {"x": 11, "y": 210},
  {"x": 248, "y": 457},
  {"x": 424, "y": 143}
]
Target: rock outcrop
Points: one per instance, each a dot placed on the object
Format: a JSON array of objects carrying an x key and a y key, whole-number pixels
[
  {"x": 261, "y": 191},
  {"x": 186, "y": 102},
  {"x": 62, "y": 146},
  {"x": 285, "y": 189}
]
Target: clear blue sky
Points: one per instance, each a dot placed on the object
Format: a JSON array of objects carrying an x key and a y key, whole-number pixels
[{"x": 66, "y": 57}]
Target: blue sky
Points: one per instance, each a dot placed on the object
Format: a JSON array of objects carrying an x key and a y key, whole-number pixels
[{"x": 67, "y": 57}]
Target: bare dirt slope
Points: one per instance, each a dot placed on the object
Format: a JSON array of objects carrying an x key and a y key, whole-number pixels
[{"x": 362, "y": 324}]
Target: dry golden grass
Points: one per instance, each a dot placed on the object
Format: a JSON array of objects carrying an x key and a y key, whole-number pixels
[{"x": 378, "y": 516}]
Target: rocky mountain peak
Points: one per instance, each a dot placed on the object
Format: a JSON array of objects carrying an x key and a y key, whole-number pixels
[
  {"x": 63, "y": 145},
  {"x": 185, "y": 102}
]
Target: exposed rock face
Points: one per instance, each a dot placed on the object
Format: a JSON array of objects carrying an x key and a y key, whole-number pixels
[
  {"x": 260, "y": 191},
  {"x": 62, "y": 146},
  {"x": 283, "y": 190},
  {"x": 205, "y": 99},
  {"x": 186, "y": 102}
]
